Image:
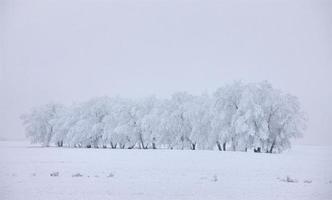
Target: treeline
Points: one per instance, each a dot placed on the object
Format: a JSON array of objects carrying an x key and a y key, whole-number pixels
[{"x": 237, "y": 117}]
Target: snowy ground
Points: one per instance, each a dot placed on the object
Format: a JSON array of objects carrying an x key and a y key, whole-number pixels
[{"x": 163, "y": 174}]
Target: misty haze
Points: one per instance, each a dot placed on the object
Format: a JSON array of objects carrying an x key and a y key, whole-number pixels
[{"x": 165, "y": 99}]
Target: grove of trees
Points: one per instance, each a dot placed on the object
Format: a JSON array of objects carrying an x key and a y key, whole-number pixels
[{"x": 237, "y": 117}]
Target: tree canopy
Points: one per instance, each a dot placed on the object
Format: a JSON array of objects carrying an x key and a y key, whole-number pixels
[{"x": 235, "y": 117}]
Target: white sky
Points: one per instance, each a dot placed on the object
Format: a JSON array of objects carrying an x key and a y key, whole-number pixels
[{"x": 73, "y": 50}]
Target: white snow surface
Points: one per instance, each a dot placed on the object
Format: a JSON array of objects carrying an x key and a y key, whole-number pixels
[{"x": 162, "y": 174}]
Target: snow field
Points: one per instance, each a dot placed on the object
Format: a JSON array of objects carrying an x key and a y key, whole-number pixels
[{"x": 163, "y": 174}]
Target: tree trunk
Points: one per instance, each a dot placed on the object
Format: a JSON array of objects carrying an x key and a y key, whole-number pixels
[
  {"x": 219, "y": 146},
  {"x": 258, "y": 150},
  {"x": 224, "y": 146},
  {"x": 60, "y": 143},
  {"x": 113, "y": 146},
  {"x": 154, "y": 145},
  {"x": 272, "y": 146},
  {"x": 142, "y": 142},
  {"x": 193, "y": 146}
]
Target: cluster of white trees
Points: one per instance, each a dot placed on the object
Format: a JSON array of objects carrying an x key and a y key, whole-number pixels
[{"x": 236, "y": 117}]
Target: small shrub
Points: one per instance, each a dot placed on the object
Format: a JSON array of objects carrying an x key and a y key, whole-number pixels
[
  {"x": 54, "y": 174},
  {"x": 77, "y": 175},
  {"x": 289, "y": 180}
]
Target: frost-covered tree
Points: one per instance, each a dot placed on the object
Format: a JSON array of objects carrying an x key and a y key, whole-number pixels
[
  {"x": 112, "y": 121},
  {"x": 237, "y": 117},
  {"x": 39, "y": 124},
  {"x": 148, "y": 122},
  {"x": 199, "y": 117},
  {"x": 86, "y": 123},
  {"x": 225, "y": 108},
  {"x": 283, "y": 117},
  {"x": 122, "y": 128},
  {"x": 63, "y": 124},
  {"x": 177, "y": 122},
  {"x": 262, "y": 118}
]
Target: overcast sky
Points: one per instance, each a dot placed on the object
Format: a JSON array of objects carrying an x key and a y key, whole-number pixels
[{"x": 73, "y": 50}]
